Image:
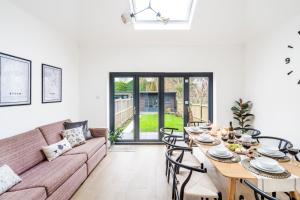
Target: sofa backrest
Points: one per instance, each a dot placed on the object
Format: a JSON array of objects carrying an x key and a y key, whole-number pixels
[
  {"x": 52, "y": 132},
  {"x": 22, "y": 151}
]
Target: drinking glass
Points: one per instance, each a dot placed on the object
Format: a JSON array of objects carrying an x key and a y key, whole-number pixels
[{"x": 293, "y": 152}]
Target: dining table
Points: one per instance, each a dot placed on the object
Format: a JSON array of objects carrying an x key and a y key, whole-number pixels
[{"x": 235, "y": 172}]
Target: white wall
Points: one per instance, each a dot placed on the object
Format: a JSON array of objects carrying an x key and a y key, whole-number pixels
[
  {"x": 275, "y": 95},
  {"x": 24, "y": 36},
  {"x": 95, "y": 64}
]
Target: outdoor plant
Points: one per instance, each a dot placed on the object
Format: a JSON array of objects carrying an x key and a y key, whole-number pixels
[
  {"x": 115, "y": 135},
  {"x": 241, "y": 113}
]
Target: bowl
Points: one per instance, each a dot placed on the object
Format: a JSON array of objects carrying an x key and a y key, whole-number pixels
[{"x": 267, "y": 163}]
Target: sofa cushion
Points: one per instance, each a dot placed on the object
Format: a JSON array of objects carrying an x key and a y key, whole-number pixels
[
  {"x": 22, "y": 151},
  {"x": 8, "y": 178},
  {"x": 54, "y": 150},
  {"x": 38, "y": 193},
  {"x": 52, "y": 132},
  {"x": 51, "y": 175},
  {"x": 89, "y": 148}
]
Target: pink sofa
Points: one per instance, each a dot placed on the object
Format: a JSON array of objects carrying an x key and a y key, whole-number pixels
[{"x": 58, "y": 179}]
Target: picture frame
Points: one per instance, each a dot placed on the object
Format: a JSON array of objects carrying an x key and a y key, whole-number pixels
[
  {"x": 51, "y": 84},
  {"x": 15, "y": 80}
]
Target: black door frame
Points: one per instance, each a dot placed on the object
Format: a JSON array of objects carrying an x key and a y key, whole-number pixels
[{"x": 160, "y": 76}]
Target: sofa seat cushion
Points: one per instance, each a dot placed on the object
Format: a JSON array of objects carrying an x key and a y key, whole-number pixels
[
  {"x": 51, "y": 175},
  {"x": 89, "y": 148},
  {"x": 38, "y": 193}
]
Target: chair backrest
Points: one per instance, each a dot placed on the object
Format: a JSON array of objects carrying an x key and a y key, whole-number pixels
[
  {"x": 249, "y": 131},
  {"x": 280, "y": 143},
  {"x": 259, "y": 194},
  {"x": 167, "y": 130},
  {"x": 170, "y": 141}
]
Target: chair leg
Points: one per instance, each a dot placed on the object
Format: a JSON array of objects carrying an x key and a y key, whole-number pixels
[{"x": 219, "y": 196}]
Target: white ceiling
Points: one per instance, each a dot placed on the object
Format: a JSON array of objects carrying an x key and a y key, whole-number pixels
[{"x": 97, "y": 22}]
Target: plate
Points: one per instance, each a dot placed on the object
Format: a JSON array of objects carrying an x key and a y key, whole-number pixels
[
  {"x": 257, "y": 165},
  {"x": 205, "y": 140},
  {"x": 213, "y": 153},
  {"x": 195, "y": 130},
  {"x": 271, "y": 153}
]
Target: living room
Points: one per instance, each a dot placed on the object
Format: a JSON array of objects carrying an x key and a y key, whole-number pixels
[{"x": 136, "y": 80}]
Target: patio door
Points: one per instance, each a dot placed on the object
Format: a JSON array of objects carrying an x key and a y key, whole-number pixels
[{"x": 142, "y": 103}]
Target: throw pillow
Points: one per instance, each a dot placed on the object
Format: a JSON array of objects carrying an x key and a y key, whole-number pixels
[
  {"x": 54, "y": 150},
  {"x": 74, "y": 136},
  {"x": 86, "y": 132},
  {"x": 8, "y": 178}
]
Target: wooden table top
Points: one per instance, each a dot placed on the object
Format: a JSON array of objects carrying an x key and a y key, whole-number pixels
[{"x": 236, "y": 170}]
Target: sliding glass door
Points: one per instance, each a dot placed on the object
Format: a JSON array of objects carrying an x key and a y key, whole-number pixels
[{"x": 142, "y": 103}]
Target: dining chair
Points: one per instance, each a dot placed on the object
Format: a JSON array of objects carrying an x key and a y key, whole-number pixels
[
  {"x": 189, "y": 182},
  {"x": 259, "y": 194},
  {"x": 196, "y": 123},
  {"x": 249, "y": 131},
  {"x": 167, "y": 130},
  {"x": 280, "y": 143},
  {"x": 171, "y": 142}
]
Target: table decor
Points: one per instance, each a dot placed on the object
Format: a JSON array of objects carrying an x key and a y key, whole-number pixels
[{"x": 246, "y": 164}]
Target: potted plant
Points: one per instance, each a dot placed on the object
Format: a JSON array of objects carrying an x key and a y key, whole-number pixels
[
  {"x": 115, "y": 135},
  {"x": 241, "y": 113}
]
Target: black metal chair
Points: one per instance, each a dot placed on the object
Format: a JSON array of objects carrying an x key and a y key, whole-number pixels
[
  {"x": 259, "y": 194},
  {"x": 167, "y": 130},
  {"x": 249, "y": 131},
  {"x": 196, "y": 123},
  {"x": 189, "y": 181},
  {"x": 280, "y": 143},
  {"x": 170, "y": 142}
]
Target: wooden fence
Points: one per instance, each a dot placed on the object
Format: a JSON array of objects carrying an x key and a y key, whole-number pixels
[
  {"x": 123, "y": 111},
  {"x": 196, "y": 109}
]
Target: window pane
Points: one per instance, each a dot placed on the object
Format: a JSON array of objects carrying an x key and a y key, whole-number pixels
[
  {"x": 173, "y": 103},
  {"x": 124, "y": 107},
  {"x": 198, "y": 105}
]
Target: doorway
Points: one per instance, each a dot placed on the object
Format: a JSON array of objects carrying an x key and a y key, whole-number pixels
[{"x": 142, "y": 103}]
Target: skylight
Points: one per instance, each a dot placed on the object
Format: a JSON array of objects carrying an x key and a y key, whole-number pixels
[{"x": 179, "y": 13}]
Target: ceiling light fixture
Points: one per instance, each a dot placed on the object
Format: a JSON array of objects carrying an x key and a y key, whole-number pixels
[{"x": 128, "y": 16}]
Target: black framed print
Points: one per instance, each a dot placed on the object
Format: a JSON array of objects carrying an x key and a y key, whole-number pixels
[
  {"x": 15, "y": 81},
  {"x": 51, "y": 84}
]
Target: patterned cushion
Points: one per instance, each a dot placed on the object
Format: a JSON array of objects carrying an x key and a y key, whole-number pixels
[
  {"x": 74, "y": 136},
  {"x": 22, "y": 151},
  {"x": 86, "y": 132},
  {"x": 54, "y": 150},
  {"x": 8, "y": 178},
  {"x": 51, "y": 175},
  {"x": 52, "y": 132}
]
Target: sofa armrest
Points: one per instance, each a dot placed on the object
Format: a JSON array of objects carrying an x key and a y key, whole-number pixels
[{"x": 99, "y": 132}]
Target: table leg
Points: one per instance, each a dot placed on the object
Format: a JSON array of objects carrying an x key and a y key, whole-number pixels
[
  {"x": 295, "y": 195},
  {"x": 231, "y": 189},
  {"x": 191, "y": 143}
]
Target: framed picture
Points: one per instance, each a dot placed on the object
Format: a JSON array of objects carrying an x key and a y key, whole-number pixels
[
  {"x": 51, "y": 84},
  {"x": 15, "y": 81}
]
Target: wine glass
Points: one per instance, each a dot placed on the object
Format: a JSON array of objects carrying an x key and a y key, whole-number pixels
[
  {"x": 237, "y": 134},
  {"x": 246, "y": 145}
]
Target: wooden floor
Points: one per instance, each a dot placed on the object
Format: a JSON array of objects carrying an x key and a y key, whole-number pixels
[
  {"x": 130, "y": 173},
  {"x": 137, "y": 173}
]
